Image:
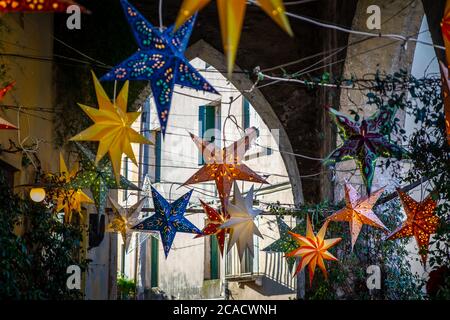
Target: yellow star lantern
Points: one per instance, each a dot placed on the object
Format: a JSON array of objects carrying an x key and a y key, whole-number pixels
[
  {"x": 69, "y": 200},
  {"x": 313, "y": 249},
  {"x": 112, "y": 127},
  {"x": 421, "y": 222},
  {"x": 231, "y": 16}
]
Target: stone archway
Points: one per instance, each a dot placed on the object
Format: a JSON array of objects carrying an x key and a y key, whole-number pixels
[{"x": 207, "y": 53}]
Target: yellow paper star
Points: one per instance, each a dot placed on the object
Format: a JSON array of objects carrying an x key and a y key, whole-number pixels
[
  {"x": 69, "y": 200},
  {"x": 112, "y": 127},
  {"x": 313, "y": 249},
  {"x": 231, "y": 16}
]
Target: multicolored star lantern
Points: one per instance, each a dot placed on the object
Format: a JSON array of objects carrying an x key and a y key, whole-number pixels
[
  {"x": 69, "y": 200},
  {"x": 168, "y": 219},
  {"x": 225, "y": 166},
  {"x": 313, "y": 249},
  {"x": 160, "y": 60},
  {"x": 286, "y": 243},
  {"x": 242, "y": 222},
  {"x": 112, "y": 127},
  {"x": 421, "y": 222},
  {"x": 358, "y": 212},
  {"x": 445, "y": 28},
  {"x": 123, "y": 219},
  {"x": 214, "y": 222},
  {"x": 37, "y": 5},
  {"x": 365, "y": 142},
  {"x": 231, "y": 15},
  {"x": 98, "y": 178},
  {"x": 5, "y": 125},
  {"x": 446, "y": 95}
]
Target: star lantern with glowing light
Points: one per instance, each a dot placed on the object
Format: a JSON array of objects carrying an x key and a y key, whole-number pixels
[
  {"x": 313, "y": 249},
  {"x": 421, "y": 222},
  {"x": 112, "y": 127},
  {"x": 98, "y": 178},
  {"x": 365, "y": 142},
  {"x": 358, "y": 212},
  {"x": 68, "y": 199},
  {"x": 285, "y": 243},
  {"x": 231, "y": 16},
  {"x": 37, "y": 5},
  {"x": 5, "y": 125},
  {"x": 168, "y": 219},
  {"x": 159, "y": 60},
  {"x": 214, "y": 222},
  {"x": 446, "y": 96},
  {"x": 122, "y": 220},
  {"x": 224, "y": 166},
  {"x": 242, "y": 222}
]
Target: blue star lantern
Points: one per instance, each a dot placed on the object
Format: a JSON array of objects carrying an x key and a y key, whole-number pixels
[
  {"x": 168, "y": 219},
  {"x": 160, "y": 60}
]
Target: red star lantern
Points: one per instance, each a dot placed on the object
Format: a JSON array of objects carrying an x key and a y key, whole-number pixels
[
  {"x": 225, "y": 166},
  {"x": 214, "y": 222},
  {"x": 358, "y": 211},
  {"x": 421, "y": 222},
  {"x": 446, "y": 96},
  {"x": 5, "y": 125},
  {"x": 37, "y": 5}
]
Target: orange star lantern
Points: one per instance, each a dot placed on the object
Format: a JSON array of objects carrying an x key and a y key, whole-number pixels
[
  {"x": 313, "y": 249},
  {"x": 5, "y": 125},
  {"x": 421, "y": 222},
  {"x": 446, "y": 96},
  {"x": 37, "y": 5},
  {"x": 358, "y": 211},
  {"x": 225, "y": 166},
  {"x": 215, "y": 220},
  {"x": 445, "y": 28}
]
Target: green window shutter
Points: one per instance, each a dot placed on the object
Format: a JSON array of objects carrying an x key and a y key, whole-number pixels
[
  {"x": 214, "y": 262},
  {"x": 207, "y": 121},
  {"x": 246, "y": 114},
  {"x": 158, "y": 147},
  {"x": 154, "y": 262}
]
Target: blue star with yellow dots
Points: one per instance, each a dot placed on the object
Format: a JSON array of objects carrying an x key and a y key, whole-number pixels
[
  {"x": 168, "y": 219},
  {"x": 160, "y": 60}
]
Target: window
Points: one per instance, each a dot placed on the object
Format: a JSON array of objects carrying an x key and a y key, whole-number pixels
[
  {"x": 247, "y": 262},
  {"x": 154, "y": 262},
  {"x": 207, "y": 124},
  {"x": 212, "y": 258},
  {"x": 158, "y": 151},
  {"x": 245, "y": 114},
  {"x": 125, "y": 174}
]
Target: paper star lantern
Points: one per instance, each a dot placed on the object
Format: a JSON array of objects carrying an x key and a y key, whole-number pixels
[
  {"x": 160, "y": 60},
  {"x": 285, "y": 243},
  {"x": 365, "y": 142},
  {"x": 214, "y": 222},
  {"x": 112, "y": 127},
  {"x": 421, "y": 222},
  {"x": 445, "y": 28},
  {"x": 358, "y": 212},
  {"x": 98, "y": 178},
  {"x": 242, "y": 222},
  {"x": 168, "y": 219},
  {"x": 446, "y": 96},
  {"x": 225, "y": 166},
  {"x": 123, "y": 219},
  {"x": 5, "y": 125},
  {"x": 69, "y": 200},
  {"x": 231, "y": 15},
  {"x": 37, "y": 5},
  {"x": 313, "y": 249}
]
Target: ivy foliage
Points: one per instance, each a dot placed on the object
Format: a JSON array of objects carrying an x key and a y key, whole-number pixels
[{"x": 36, "y": 248}]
